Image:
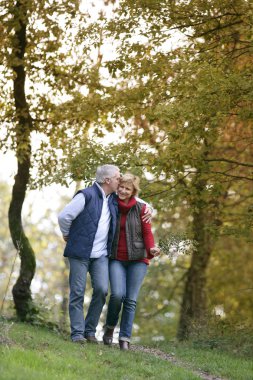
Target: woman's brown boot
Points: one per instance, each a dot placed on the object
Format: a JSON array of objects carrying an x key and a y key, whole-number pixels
[
  {"x": 108, "y": 336},
  {"x": 123, "y": 345}
]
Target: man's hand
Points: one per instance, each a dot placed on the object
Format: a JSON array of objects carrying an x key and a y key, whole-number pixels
[
  {"x": 65, "y": 238},
  {"x": 155, "y": 251},
  {"x": 147, "y": 215}
]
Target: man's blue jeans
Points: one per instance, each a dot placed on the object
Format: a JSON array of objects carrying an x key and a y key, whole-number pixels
[
  {"x": 125, "y": 279},
  {"x": 98, "y": 269}
]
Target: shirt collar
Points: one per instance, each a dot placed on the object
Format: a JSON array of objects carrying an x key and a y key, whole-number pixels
[{"x": 102, "y": 191}]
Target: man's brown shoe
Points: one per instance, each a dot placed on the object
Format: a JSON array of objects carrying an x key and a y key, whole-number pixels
[
  {"x": 91, "y": 339},
  {"x": 123, "y": 345},
  {"x": 108, "y": 336}
]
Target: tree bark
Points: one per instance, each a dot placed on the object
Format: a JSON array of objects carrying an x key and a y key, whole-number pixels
[
  {"x": 193, "y": 307},
  {"x": 65, "y": 297},
  {"x": 21, "y": 290}
]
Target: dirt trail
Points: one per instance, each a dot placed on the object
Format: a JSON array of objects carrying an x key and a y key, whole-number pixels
[{"x": 171, "y": 358}]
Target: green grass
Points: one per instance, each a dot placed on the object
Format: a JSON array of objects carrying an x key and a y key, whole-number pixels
[
  {"x": 36, "y": 353},
  {"x": 223, "y": 364},
  {"x": 30, "y": 352}
]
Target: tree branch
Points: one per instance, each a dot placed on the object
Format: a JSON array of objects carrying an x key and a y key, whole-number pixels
[
  {"x": 233, "y": 176},
  {"x": 230, "y": 161}
]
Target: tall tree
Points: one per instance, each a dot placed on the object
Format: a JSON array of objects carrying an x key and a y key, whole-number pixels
[
  {"x": 48, "y": 54},
  {"x": 24, "y": 127}
]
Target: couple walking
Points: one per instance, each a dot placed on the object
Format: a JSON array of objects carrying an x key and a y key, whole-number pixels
[{"x": 108, "y": 234}]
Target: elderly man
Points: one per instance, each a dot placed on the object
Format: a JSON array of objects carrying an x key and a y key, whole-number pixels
[{"x": 88, "y": 225}]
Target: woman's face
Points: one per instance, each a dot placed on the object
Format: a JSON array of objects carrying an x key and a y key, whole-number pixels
[{"x": 125, "y": 191}]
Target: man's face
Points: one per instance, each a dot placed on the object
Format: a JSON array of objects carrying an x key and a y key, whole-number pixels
[{"x": 114, "y": 182}]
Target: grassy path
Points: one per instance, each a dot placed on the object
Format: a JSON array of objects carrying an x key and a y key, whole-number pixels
[{"x": 171, "y": 358}]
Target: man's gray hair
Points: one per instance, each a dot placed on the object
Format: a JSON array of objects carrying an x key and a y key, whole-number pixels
[{"x": 105, "y": 171}]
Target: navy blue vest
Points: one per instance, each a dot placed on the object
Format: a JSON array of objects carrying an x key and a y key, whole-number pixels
[{"x": 83, "y": 229}]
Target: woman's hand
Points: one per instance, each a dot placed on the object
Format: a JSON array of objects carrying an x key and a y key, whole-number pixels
[
  {"x": 147, "y": 215},
  {"x": 155, "y": 251}
]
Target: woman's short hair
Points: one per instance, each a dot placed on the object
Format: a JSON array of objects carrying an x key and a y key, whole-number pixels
[
  {"x": 105, "y": 171},
  {"x": 133, "y": 180}
]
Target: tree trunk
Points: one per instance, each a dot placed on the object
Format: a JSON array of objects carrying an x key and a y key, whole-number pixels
[
  {"x": 193, "y": 307},
  {"x": 21, "y": 290},
  {"x": 65, "y": 297}
]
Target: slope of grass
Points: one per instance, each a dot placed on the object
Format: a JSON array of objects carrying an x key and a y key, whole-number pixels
[
  {"x": 223, "y": 364},
  {"x": 36, "y": 353}
]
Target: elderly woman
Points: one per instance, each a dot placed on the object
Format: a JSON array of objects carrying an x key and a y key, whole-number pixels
[{"x": 133, "y": 247}]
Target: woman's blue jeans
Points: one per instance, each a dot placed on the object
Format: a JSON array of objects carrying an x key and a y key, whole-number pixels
[{"x": 126, "y": 278}]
